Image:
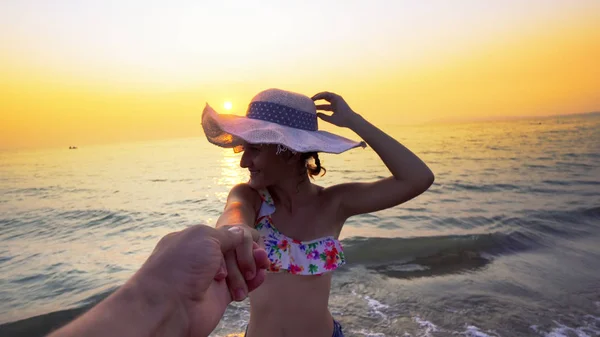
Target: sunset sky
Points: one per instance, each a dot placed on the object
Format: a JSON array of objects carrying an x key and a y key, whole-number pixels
[{"x": 85, "y": 72}]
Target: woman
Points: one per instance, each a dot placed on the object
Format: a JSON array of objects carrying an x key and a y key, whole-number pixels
[{"x": 299, "y": 221}]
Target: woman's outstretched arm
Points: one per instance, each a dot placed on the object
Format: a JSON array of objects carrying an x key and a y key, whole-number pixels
[{"x": 241, "y": 209}]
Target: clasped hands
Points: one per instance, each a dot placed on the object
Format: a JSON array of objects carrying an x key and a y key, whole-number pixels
[
  {"x": 183, "y": 288},
  {"x": 204, "y": 269}
]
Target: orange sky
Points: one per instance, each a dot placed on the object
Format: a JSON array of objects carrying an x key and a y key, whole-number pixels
[{"x": 75, "y": 74}]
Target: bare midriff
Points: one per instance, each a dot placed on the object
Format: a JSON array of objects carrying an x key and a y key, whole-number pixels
[{"x": 291, "y": 306}]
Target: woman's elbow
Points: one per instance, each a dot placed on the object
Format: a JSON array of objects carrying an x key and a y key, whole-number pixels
[
  {"x": 427, "y": 180},
  {"x": 431, "y": 178}
]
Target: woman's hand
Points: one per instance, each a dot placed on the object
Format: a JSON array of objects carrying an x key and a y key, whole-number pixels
[
  {"x": 242, "y": 271},
  {"x": 343, "y": 115}
]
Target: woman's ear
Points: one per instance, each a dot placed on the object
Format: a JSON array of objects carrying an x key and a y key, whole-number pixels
[{"x": 293, "y": 158}]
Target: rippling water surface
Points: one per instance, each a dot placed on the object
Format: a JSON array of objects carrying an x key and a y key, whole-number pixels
[{"x": 505, "y": 243}]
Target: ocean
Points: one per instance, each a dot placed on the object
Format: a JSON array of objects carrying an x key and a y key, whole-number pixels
[{"x": 505, "y": 243}]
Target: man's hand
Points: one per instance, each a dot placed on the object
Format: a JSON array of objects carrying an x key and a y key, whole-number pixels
[
  {"x": 179, "y": 291},
  {"x": 189, "y": 265}
]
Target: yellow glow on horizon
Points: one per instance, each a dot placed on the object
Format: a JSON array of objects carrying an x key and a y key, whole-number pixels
[{"x": 148, "y": 76}]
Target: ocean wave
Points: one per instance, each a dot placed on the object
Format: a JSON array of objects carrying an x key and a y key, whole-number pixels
[
  {"x": 486, "y": 188},
  {"x": 376, "y": 250},
  {"x": 430, "y": 256},
  {"x": 571, "y": 182},
  {"x": 187, "y": 202},
  {"x": 45, "y": 192},
  {"x": 55, "y": 224},
  {"x": 434, "y": 255}
]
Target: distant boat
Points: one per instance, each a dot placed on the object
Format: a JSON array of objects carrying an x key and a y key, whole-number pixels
[{"x": 72, "y": 147}]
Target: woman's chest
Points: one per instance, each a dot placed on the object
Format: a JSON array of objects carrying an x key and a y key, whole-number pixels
[{"x": 307, "y": 223}]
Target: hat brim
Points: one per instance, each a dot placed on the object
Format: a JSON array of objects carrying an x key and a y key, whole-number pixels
[{"x": 232, "y": 131}]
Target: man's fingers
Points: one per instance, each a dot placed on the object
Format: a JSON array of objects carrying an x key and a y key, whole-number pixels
[
  {"x": 222, "y": 272},
  {"x": 235, "y": 280}
]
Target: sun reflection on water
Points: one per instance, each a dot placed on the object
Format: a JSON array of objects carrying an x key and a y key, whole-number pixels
[{"x": 231, "y": 172}]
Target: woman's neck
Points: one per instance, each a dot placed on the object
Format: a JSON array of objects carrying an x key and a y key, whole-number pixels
[{"x": 291, "y": 194}]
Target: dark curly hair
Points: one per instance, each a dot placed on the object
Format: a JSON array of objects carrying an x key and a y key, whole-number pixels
[{"x": 313, "y": 168}]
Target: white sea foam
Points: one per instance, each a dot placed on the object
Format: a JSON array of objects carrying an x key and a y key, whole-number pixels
[
  {"x": 487, "y": 256},
  {"x": 407, "y": 267},
  {"x": 366, "y": 333},
  {"x": 473, "y": 331},
  {"x": 376, "y": 306},
  {"x": 588, "y": 328},
  {"x": 427, "y": 327}
]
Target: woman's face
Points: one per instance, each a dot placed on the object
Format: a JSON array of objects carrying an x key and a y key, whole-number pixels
[{"x": 265, "y": 166}]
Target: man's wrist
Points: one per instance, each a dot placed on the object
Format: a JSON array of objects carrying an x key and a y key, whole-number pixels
[
  {"x": 144, "y": 307},
  {"x": 129, "y": 311}
]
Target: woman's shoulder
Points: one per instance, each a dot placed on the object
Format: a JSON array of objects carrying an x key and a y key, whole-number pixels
[
  {"x": 329, "y": 196},
  {"x": 330, "y": 193},
  {"x": 244, "y": 193},
  {"x": 328, "y": 207}
]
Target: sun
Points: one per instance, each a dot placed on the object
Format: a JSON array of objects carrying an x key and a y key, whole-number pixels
[{"x": 227, "y": 105}]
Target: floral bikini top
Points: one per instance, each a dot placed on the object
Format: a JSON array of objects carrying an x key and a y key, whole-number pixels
[{"x": 290, "y": 255}]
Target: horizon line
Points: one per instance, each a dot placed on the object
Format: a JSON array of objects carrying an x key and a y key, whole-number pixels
[{"x": 430, "y": 122}]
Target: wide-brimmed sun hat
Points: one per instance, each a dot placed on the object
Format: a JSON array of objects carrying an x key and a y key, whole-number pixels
[{"x": 274, "y": 116}]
